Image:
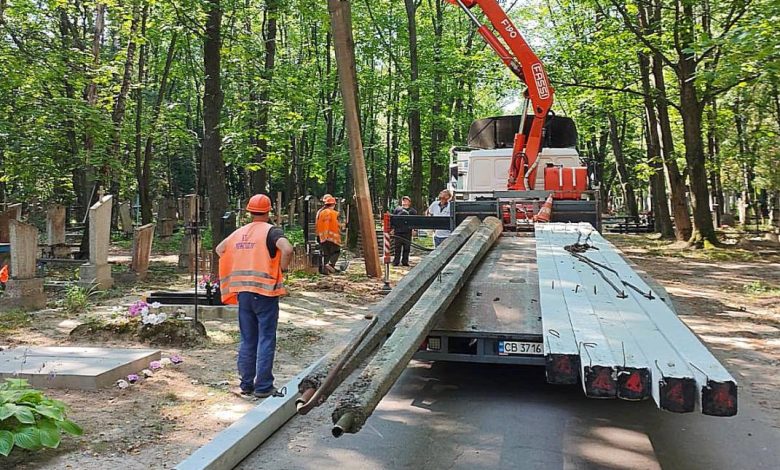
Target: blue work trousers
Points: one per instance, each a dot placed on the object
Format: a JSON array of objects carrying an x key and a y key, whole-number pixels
[{"x": 258, "y": 316}]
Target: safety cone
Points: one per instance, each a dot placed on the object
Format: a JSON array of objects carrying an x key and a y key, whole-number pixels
[{"x": 545, "y": 213}]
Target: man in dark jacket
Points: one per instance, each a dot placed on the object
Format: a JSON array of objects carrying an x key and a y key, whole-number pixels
[{"x": 402, "y": 238}]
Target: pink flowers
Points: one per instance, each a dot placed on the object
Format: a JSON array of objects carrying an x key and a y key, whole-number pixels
[
  {"x": 155, "y": 365},
  {"x": 176, "y": 359},
  {"x": 138, "y": 309},
  {"x": 132, "y": 378},
  {"x": 207, "y": 280},
  {"x": 144, "y": 310}
]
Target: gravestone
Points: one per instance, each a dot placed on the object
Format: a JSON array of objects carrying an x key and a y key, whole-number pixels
[
  {"x": 125, "y": 218},
  {"x": 166, "y": 217},
  {"x": 55, "y": 231},
  {"x": 98, "y": 272},
  {"x": 75, "y": 368},
  {"x": 16, "y": 210},
  {"x": 23, "y": 289},
  {"x": 142, "y": 250},
  {"x": 8, "y": 214},
  {"x": 190, "y": 206}
]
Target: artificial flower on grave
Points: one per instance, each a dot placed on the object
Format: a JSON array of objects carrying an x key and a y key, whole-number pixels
[
  {"x": 147, "y": 373},
  {"x": 207, "y": 281},
  {"x": 176, "y": 359},
  {"x": 122, "y": 384},
  {"x": 133, "y": 378},
  {"x": 155, "y": 366},
  {"x": 144, "y": 311}
]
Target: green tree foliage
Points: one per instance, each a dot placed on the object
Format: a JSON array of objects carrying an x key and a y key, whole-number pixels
[{"x": 76, "y": 113}]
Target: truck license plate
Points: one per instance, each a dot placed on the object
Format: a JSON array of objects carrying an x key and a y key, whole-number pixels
[{"x": 505, "y": 348}]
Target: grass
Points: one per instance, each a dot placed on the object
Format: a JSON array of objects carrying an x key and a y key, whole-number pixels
[
  {"x": 14, "y": 319},
  {"x": 760, "y": 288},
  {"x": 301, "y": 275},
  {"x": 77, "y": 298}
]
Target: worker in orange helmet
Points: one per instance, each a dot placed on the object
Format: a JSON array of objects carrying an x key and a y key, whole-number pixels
[
  {"x": 324, "y": 198},
  {"x": 4, "y": 274},
  {"x": 252, "y": 260},
  {"x": 329, "y": 234}
]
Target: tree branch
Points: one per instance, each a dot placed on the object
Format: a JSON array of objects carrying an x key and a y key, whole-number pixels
[{"x": 634, "y": 29}]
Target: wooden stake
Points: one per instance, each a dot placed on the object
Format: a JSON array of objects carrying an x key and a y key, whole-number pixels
[{"x": 344, "y": 46}]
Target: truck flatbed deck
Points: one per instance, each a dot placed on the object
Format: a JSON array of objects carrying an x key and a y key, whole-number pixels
[{"x": 499, "y": 304}]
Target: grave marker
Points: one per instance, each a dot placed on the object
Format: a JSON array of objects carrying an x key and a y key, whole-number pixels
[
  {"x": 142, "y": 250},
  {"x": 125, "y": 218},
  {"x": 97, "y": 271},
  {"x": 23, "y": 289}
]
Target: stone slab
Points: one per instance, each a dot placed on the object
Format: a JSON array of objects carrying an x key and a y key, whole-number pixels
[
  {"x": 24, "y": 249},
  {"x": 55, "y": 225},
  {"x": 100, "y": 230},
  {"x": 77, "y": 368},
  {"x": 23, "y": 293},
  {"x": 142, "y": 250},
  {"x": 96, "y": 275}
]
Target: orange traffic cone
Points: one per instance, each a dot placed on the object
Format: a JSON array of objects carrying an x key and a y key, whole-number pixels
[
  {"x": 545, "y": 213},
  {"x": 4, "y": 274}
]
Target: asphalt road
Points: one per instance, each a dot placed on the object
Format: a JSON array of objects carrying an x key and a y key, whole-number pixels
[{"x": 446, "y": 415}]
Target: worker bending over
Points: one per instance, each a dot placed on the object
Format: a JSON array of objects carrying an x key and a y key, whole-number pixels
[
  {"x": 329, "y": 234},
  {"x": 440, "y": 208},
  {"x": 251, "y": 262}
]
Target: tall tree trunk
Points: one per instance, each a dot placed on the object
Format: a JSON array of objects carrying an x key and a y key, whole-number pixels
[
  {"x": 691, "y": 113},
  {"x": 682, "y": 218},
  {"x": 713, "y": 155},
  {"x": 143, "y": 182},
  {"x": 260, "y": 140},
  {"x": 415, "y": 138},
  {"x": 213, "y": 163},
  {"x": 437, "y": 180},
  {"x": 622, "y": 170},
  {"x": 661, "y": 214},
  {"x": 120, "y": 105},
  {"x": 89, "y": 140},
  {"x": 146, "y": 166}
]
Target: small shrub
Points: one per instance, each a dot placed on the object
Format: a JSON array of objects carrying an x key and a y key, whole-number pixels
[
  {"x": 29, "y": 419},
  {"x": 77, "y": 298}
]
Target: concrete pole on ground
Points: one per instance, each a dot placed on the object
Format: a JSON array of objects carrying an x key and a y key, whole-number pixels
[
  {"x": 391, "y": 309},
  {"x": 359, "y": 400},
  {"x": 344, "y": 46}
]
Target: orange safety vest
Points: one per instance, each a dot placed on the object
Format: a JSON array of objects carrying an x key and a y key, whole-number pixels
[
  {"x": 328, "y": 229},
  {"x": 247, "y": 266}
]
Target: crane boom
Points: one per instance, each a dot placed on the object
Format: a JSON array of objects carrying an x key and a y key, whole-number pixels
[{"x": 518, "y": 56}]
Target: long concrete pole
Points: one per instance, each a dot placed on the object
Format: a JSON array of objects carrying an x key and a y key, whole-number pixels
[
  {"x": 390, "y": 310},
  {"x": 361, "y": 398},
  {"x": 344, "y": 46}
]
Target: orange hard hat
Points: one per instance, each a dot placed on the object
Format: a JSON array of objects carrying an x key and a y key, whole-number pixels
[
  {"x": 259, "y": 204},
  {"x": 330, "y": 200},
  {"x": 4, "y": 274}
]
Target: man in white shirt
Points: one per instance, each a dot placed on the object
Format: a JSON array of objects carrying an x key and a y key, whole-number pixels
[{"x": 440, "y": 208}]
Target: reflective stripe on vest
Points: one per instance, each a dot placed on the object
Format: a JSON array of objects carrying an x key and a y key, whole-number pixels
[
  {"x": 247, "y": 266},
  {"x": 328, "y": 229}
]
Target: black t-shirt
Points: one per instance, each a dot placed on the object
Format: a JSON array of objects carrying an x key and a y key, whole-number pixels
[{"x": 273, "y": 236}]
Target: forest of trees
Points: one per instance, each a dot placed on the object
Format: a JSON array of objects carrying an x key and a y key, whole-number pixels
[{"x": 146, "y": 98}]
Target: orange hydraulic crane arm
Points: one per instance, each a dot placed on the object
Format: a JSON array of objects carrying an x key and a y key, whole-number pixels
[{"x": 523, "y": 62}]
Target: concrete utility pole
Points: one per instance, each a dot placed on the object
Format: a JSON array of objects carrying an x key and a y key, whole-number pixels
[{"x": 344, "y": 45}]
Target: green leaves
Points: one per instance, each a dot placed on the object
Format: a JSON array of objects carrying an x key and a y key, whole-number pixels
[
  {"x": 6, "y": 442},
  {"x": 70, "y": 427},
  {"x": 29, "y": 419}
]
